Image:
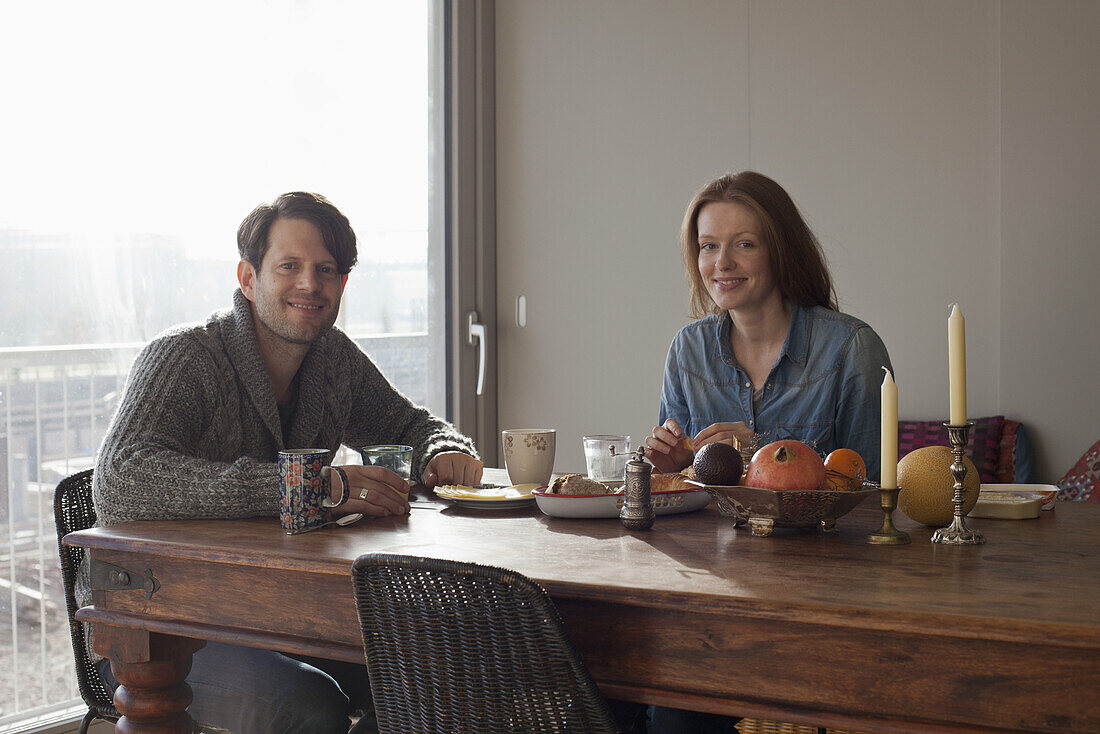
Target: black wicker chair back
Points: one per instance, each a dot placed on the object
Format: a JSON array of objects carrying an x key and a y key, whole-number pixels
[
  {"x": 459, "y": 647},
  {"x": 72, "y": 510}
]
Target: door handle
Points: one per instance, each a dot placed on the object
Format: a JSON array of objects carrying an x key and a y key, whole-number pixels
[{"x": 476, "y": 330}]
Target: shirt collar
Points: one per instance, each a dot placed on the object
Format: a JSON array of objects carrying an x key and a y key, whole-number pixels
[
  {"x": 796, "y": 346},
  {"x": 244, "y": 353}
]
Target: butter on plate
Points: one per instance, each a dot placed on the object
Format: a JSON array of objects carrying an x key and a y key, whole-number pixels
[
  {"x": 1045, "y": 492},
  {"x": 462, "y": 492},
  {"x": 1007, "y": 504}
]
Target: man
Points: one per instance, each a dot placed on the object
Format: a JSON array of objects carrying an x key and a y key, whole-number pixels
[{"x": 208, "y": 407}]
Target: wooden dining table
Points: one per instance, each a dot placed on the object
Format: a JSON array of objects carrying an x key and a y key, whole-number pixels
[{"x": 800, "y": 626}]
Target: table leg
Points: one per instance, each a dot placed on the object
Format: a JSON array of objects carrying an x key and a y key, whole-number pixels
[{"x": 151, "y": 669}]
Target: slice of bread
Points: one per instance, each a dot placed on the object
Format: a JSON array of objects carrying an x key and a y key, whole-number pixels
[{"x": 668, "y": 482}]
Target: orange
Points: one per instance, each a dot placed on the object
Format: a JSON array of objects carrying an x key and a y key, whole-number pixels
[{"x": 844, "y": 470}]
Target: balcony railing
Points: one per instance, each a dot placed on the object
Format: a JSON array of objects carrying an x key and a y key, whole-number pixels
[{"x": 55, "y": 406}]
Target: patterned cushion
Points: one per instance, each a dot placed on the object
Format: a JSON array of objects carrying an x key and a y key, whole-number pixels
[
  {"x": 1006, "y": 457},
  {"x": 984, "y": 448},
  {"x": 1082, "y": 481}
]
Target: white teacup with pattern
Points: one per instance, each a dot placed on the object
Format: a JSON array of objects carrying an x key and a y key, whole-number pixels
[{"x": 529, "y": 454}]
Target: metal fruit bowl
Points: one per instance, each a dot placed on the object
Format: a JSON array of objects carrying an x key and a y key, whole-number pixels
[{"x": 765, "y": 509}]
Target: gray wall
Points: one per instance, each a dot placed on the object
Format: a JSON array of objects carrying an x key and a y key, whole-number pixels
[
  {"x": 942, "y": 151},
  {"x": 1050, "y": 225}
]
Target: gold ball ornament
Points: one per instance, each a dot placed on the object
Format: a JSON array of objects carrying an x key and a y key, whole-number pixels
[{"x": 928, "y": 486}]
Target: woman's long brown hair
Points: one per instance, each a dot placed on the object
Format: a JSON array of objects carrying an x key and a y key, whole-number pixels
[{"x": 796, "y": 258}]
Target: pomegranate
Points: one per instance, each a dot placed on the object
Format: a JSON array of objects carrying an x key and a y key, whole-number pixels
[{"x": 786, "y": 465}]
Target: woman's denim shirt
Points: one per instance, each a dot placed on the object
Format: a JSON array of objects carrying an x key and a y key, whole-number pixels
[{"x": 824, "y": 390}]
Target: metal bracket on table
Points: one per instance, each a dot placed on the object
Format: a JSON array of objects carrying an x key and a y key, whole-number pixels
[{"x": 106, "y": 577}]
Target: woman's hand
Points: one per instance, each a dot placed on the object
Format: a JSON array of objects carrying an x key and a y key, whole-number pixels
[
  {"x": 374, "y": 491},
  {"x": 665, "y": 448},
  {"x": 729, "y": 433}
]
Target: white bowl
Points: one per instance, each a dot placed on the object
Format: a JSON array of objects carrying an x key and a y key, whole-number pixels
[{"x": 608, "y": 505}]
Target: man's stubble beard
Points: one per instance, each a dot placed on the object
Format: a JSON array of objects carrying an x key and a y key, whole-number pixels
[{"x": 276, "y": 325}]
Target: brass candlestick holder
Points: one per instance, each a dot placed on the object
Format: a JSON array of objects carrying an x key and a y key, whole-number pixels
[
  {"x": 957, "y": 533},
  {"x": 888, "y": 534}
]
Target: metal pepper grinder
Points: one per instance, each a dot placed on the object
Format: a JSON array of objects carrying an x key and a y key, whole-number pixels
[{"x": 637, "y": 512}]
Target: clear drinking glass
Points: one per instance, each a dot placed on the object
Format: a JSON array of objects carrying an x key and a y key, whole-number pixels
[
  {"x": 397, "y": 459},
  {"x": 606, "y": 457}
]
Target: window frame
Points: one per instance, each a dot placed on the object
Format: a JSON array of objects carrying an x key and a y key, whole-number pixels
[{"x": 470, "y": 202}]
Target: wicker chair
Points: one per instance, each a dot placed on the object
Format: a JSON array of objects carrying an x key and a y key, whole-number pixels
[
  {"x": 462, "y": 647},
  {"x": 72, "y": 510}
]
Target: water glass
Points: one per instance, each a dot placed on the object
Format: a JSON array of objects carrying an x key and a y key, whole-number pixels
[
  {"x": 606, "y": 457},
  {"x": 397, "y": 459}
]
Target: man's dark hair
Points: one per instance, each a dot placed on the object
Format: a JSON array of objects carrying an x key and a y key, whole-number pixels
[{"x": 339, "y": 238}]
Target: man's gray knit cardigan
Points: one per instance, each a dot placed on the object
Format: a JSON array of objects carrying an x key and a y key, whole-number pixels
[{"x": 197, "y": 433}]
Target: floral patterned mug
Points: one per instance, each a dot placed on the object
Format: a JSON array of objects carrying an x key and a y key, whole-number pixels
[
  {"x": 529, "y": 455},
  {"x": 305, "y": 483}
]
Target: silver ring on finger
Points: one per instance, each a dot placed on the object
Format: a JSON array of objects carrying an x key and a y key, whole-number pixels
[{"x": 364, "y": 493}]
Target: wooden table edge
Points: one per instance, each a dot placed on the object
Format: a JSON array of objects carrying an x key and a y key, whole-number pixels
[
  {"x": 676, "y": 699},
  {"x": 229, "y": 635},
  {"x": 1070, "y": 636},
  {"x": 1076, "y": 637}
]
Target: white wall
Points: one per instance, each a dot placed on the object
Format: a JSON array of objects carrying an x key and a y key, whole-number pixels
[
  {"x": 892, "y": 124},
  {"x": 601, "y": 140},
  {"x": 881, "y": 120},
  {"x": 1050, "y": 219}
]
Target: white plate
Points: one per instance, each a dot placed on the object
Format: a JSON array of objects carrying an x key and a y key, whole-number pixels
[
  {"x": 488, "y": 497},
  {"x": 1046, "y": 491},
  {"x": 471, "y": 504},
  {"x": 608, "y": 505}
]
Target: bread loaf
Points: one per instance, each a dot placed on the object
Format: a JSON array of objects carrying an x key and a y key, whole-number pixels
[{"x": 578, "y": 484}]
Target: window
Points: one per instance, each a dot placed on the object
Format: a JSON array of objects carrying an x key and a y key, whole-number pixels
[{"x": 136, "y": 137}]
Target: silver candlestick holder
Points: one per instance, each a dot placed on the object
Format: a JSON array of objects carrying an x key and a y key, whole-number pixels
[{"x": 957, "y": 533}]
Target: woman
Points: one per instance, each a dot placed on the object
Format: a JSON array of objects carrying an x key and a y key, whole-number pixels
[{"x": 770, "y": 356}]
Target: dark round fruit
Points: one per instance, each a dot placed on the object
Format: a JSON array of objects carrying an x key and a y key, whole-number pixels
[{"x": 719, "y": 464}]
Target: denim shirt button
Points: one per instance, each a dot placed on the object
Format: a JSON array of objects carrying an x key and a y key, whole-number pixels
[{"x": 748, "y": 384}]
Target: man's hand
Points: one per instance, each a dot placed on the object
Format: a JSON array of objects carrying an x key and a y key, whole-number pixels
[
  {"x": 374, "y": 491},
  {"x": 453, "y": 467}
]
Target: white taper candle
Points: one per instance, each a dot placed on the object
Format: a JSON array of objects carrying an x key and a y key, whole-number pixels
[
  {"x": 956, "y": 362},
  {"x": 889, "y": 454}
]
